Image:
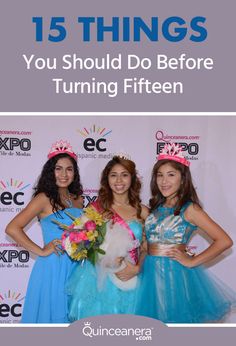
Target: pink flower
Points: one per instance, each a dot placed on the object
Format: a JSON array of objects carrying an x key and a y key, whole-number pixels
[
  {"x": 77, "y": 237},
  {"x": 63, "y": 243},
  {"x": 63, "y": 239},
  {"x": 90, "y": 225},
  {"x": 64, "y": 235},
  {"x": 71, "y": 226}
]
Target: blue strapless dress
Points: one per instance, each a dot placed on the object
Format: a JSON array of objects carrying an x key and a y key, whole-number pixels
[
  {"x": 46, "y": 300},
  {"x": 86, "y": 299},
  {"x": 171, "y": 292}
]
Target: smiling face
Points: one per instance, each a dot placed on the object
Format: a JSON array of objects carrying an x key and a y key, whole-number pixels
[
  {"x": 168, "y": 180},
  {"x": 64, "y": 172},
  {"x": 119, "y": 179}
]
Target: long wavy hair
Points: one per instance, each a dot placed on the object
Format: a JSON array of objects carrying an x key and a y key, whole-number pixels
[
  {"x": 105, "y": 195},
  {"x": 186, "y": 190},
  {"x": 47, "y": 182}
]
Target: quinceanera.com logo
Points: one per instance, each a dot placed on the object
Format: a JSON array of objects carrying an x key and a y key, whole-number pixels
[{"x": 140, "y": 334}]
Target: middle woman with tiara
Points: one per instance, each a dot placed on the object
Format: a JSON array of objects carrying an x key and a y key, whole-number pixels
[{"x": 109, "y": 287}]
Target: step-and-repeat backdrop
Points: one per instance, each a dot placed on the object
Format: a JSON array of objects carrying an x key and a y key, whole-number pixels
[{"x": 25, "y": 141}]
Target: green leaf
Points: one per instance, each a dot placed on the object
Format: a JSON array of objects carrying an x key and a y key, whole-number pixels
[
  {"x": 71, "y": 216},
  {"x": 61, "y": 225},
  {"x": 99, "y": 239},
  {"x": 80, "y": 247},
  {"x": 101, "y": 251},
  {"x": 92, "y": 257},
  {"x": 103, "y": 230}
]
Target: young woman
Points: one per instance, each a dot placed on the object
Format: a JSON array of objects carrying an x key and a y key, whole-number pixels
[
  {"x": 58, "y": 190},
  {"x": 109, "y": 288},
  {"x": 174, "y": 287}
]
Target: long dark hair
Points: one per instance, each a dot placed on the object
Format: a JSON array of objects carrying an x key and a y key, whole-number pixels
[
  {"x": 186, "y": 191},
  {"x": 105, "y": 196},
  {"x": 47, "y": 182}
]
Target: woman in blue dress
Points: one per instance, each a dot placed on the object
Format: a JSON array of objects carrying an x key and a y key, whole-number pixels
[
  {"x": 174, "y": 286},
  {"x": 109, "y": 287},
  {"x": 58, "y": 190}
]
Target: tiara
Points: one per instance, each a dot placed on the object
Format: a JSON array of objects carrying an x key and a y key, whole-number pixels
[
  {"x": 172, "y": 151},
  {"x": 61, "y": 147},
  {"x": 124, "y": 156}
]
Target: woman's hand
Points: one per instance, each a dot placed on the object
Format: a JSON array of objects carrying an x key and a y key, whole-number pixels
[
  {"x": 128, "y": 272},
  {"x": 117, "y": 262},
  {"x": 181, "y": 257},
  {"x": 53, "y": 247}
]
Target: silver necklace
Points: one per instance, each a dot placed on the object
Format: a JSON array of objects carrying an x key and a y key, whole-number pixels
[{"x": 67, "y": 200}]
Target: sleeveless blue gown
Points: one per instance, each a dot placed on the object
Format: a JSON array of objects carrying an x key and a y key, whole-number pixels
[
  {"x": 86, "y": 300},
  {"x": 171, "y": 292},
  {"x": 46, "y": 299}
]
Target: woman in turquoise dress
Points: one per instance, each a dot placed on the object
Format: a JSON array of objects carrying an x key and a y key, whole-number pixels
[
  {"x": 110, "y": 286},
  {"x": 174, "y": 286},
  {"x": 58, "y": 191}
]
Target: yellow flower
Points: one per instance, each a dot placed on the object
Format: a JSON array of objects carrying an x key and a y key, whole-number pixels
[
  {"x": 92, "y": 235},
  {"x": 92, "y": 214},
  {"x": 77, "y": 222},
  {"x": 73, "y": 247},
  {"x": 81, "y": 255}
]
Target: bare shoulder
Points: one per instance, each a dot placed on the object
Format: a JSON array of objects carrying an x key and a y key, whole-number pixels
[
  {"x": 197, "y": 216},
  {"x": 193, "y": 208},
  {"x": 41, "y": 198},
  {"x": 40, "y": 204},
  {"x": 144, "y": 212},
  {"x": 37, "y": 207},
  {"x": 194, "y": 212}
]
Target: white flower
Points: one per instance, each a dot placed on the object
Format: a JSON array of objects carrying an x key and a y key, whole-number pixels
[
  {"x": 82, "y": 220},
  {"x": 68, "y": 247}
]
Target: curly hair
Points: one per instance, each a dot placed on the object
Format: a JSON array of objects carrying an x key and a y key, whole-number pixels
[
  {"x": 105, "y": 195},
  {"x": 185, "y": 193},
  {"x": 47, "y": 182}
]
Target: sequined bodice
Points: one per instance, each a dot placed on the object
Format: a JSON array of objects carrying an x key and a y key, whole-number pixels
[{"x": 162, "y": 226}]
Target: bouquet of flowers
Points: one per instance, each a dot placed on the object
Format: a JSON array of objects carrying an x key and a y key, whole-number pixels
[{"x": 82, "y": 239}]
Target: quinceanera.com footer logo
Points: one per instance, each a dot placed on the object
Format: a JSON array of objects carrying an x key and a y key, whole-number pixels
[{"x": 140, "y": 334}]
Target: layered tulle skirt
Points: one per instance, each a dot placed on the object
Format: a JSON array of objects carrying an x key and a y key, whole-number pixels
[
  {"x": 87, "y": 298},
  {"x": 172, "y": 293}
]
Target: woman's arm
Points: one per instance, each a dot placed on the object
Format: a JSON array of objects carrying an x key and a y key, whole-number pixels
[
  {"x": 221, "y": 241},
  {"x": 15, "y": 229},
  {"x": 143, "y": 248}
]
